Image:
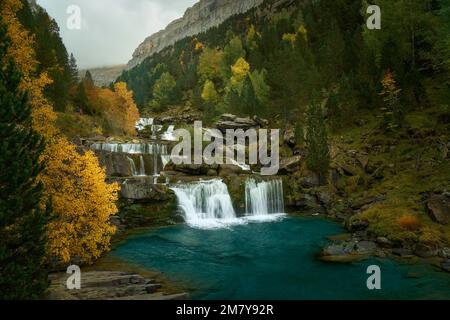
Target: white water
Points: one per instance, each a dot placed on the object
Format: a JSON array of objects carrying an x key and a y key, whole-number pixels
[
  {"x": 206, "y": 204},
  {"x": 143, "y": 123},
  {"x": 132, "y": 148},
  {"x": 142, "y": 166},
  {"x": 133, "y": 167},
  {"x": 169, "y": 134},
  {"x": 264, "y": 200}
]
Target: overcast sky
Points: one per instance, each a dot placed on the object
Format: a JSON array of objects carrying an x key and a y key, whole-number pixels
[{"x": 112, "y": 29}]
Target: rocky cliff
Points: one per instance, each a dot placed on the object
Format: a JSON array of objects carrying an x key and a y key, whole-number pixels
[
  {"x": 202, "y": 16},
  {"x": 103, "y": 76}
]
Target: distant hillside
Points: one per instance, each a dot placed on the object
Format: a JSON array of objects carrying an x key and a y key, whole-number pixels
[{"x": 105, "y": 75}]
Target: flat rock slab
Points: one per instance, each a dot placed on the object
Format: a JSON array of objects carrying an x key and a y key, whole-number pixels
[{"x": 109, "y": 285}]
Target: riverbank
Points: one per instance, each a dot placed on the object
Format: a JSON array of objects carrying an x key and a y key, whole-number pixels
[{"x": 113, "y": 279}]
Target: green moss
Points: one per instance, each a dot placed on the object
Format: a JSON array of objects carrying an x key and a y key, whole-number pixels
[{"x": 412, "y": 164}]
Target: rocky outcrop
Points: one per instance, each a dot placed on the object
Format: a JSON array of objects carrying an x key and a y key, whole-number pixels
[
  {"x": 229, "y": 121},
  {"x": 203, "y": 16},
  {"x": 144, "y": 189},
  {"x": 109, "y": 285},
  {"x": 439, "y": 208},
  {"x": 116, "y": 164},
  {"x": 104, "y": 76},
  {"x": 290, "y": 165}
]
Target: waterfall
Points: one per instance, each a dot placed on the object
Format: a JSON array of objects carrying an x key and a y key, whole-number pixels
[
  {"x": 142, "y": 166},
  {"x": 143, "y": 123},
  {"x": 133, "y": 167},
  {"x": 264, "y": 199},
  {"x": 132, "y": 148},
  {"x": 169, "y": 134},
  {"x": 206, "y": 204}
]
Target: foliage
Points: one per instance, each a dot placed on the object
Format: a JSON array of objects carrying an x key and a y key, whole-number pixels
[
  {"x": 163, "y": 92},
  {"x": 128, "y": 110},
  {"x": 231, "y": 53},
  {"x": 392, "y": 110},
  {"x": 209, "y": 65},
  {"x": 80, "y": 226},
  {"x": 409, "y": 222},
  {"x": 209, "y": 93},
  {"x": 239, "y": 72},
  {"x": 22, "y": 220},
  {"x": 318, "y": 159},
  {"x": 82, "y": 202}
]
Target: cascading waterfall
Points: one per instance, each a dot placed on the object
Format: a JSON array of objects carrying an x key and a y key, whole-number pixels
[
  {"x": 264, "y": 199},
  {"x": 142, "y": 166},
  {"x": 206, "y": 204},
  {"x": 133, "y": 167},
  {"x": 132, "y": 148}
]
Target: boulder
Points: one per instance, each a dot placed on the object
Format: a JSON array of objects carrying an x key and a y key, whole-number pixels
[
  {"x": 358, "y": 225},
  {"x": 290, "y": 165},
  {"x": 403, "y": 252},
  {"x": 116, "y": 164},
  {"x": 325, "y": 196},
  {"x": 446, "y": 265},
  {"x": 363, "y": 160},
  {"x": 384, "y": 242},
  {"x": 226, "y": 170},
  {"x": 445, "y": 253},
  {"x": 366, "y": 247},
  {"x": 425, "y": 251},
  {"x": 260, "y": 121},
  {"x": 193, "y": 169},
  {"x": 344, "y": 252},
  {"x": 144, "y": 189},
  {"x": 289, "y": 138},
  {"x": 439, "y": 208},
  {"x": 310, "y": 180},
  {"x": 228, "y": 117},
  {"x": 228, "y": 121}
]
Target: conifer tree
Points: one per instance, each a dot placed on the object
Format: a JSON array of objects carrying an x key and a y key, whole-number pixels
[
  {"x": 318, "y": 159},
  {"x": 22, "y": 222}
]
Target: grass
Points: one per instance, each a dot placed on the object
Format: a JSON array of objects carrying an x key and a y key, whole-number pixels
[{"x": 413, "y": 164}]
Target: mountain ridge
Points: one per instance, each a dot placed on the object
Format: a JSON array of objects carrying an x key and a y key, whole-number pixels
[{"x": 199, "y": 18}]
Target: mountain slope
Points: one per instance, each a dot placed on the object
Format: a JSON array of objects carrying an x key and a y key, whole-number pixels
[{"x": 201, "y": 17}]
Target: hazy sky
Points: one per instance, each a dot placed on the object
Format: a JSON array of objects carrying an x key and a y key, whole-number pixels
[{"x": 112, "y": 29}]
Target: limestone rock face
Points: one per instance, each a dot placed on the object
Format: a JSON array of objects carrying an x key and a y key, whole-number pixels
[{"x": 201, "y": 17}]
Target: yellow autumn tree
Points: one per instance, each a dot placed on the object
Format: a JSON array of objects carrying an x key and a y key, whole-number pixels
[
  {"x": 129, "y": 111},
  {"x": 239, "y": 71},
  {"x": 209, "y": 92},
  {"x": 82, "y": 201},
  {"x": 75, "y": 183}
]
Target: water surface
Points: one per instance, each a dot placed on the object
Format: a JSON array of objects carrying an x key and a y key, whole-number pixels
[{"x": 273, "y": 260}]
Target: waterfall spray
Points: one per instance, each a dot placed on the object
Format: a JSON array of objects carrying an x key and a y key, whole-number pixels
[
  {"x": 264, "y": 198},
  {"x": 206, "y": 204}
]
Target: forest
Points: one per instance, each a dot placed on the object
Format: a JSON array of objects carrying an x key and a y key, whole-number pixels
[{"x": 340, "y": 93}]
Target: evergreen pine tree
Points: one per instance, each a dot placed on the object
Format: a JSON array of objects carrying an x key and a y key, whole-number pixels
[
  {"x": 73, "y": 69},
  {"x": 318, "y": 159},
  {"x": 22, "y": 222}
]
